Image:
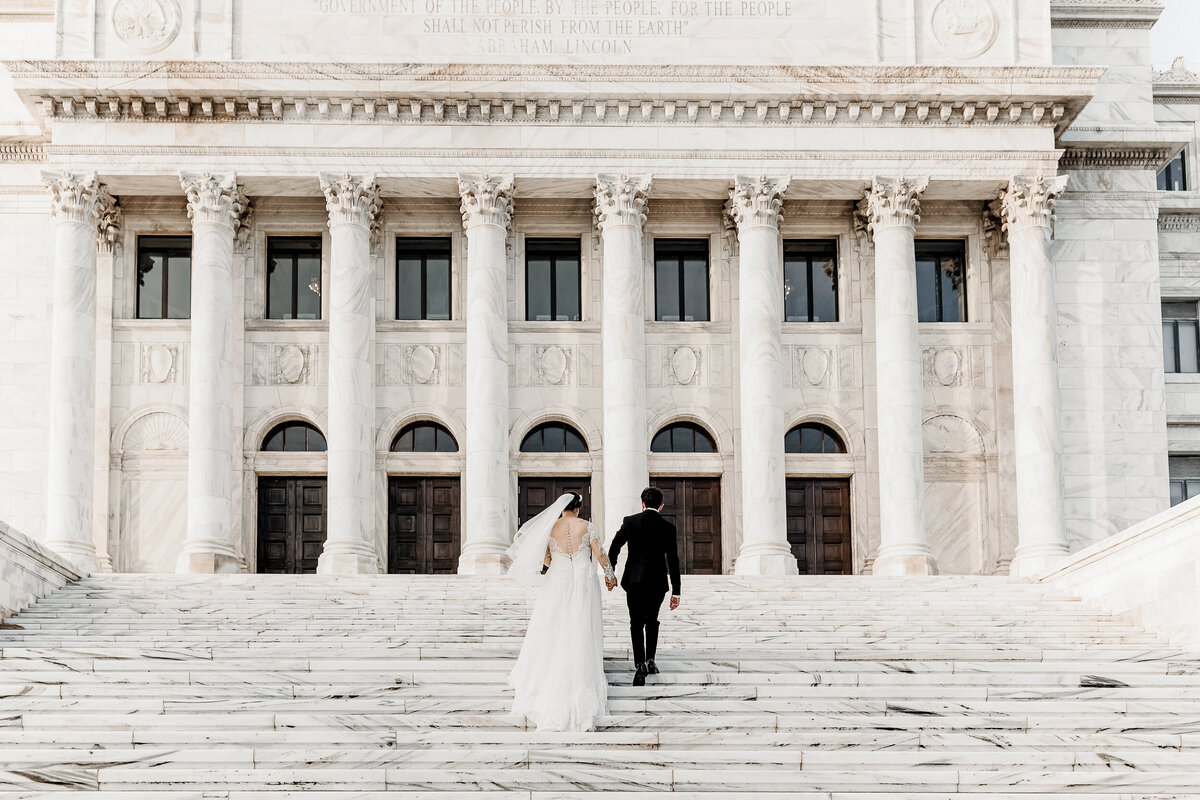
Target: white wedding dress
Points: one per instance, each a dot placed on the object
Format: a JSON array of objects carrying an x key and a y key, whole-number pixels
[{"x": 559, "y": 677}]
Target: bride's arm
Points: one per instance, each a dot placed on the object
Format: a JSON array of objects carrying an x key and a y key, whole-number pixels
[{"x": 610, "y": 577}]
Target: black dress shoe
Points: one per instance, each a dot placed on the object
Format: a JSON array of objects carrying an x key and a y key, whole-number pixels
[
  {"x": 651, "y": 667},
  {"x": 639, "y": 677}
]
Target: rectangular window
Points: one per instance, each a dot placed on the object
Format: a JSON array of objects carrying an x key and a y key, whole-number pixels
[
  {"x": 164, "y": 277},
  {"x": 941, "y": 281},
  {"x": 1185, "y": 478},
  {"x": 423, "y": 278},
  {"x": 1181, "y": 338},
  {"x": 810, "y": 280},
  {"x": 552, "y": 280},
  {"x": 681, "y": 280},
  {"x": 1173, "y": 178},
  {"x": 294, "y": 277}
]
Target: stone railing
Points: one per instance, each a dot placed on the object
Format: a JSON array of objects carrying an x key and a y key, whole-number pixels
[
  {"x": 27, "y": 571},
  {"x": 1148, "y": 574}
]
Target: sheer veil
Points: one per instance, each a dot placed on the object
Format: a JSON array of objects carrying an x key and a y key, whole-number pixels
[{"x": 528, "y": 550}]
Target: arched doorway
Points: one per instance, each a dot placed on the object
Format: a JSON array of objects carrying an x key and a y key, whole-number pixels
[
  {"x": 818, "y": 508},
  {"x": 424, "y": 510},
  {"x": 563, "y": 449},
  {"x": 691, "y": 503},
  {"x": 291, "y": 508}
]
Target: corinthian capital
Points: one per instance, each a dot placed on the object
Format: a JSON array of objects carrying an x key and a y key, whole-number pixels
[
  {"x": 486, "y": 199},
  {"x": 621, "y": 200},
  {"x": 108, "y": 221},
  {"x": 351, "y": 199},
  {"x": 214, "y": 197},
  {"x": 1030, "y": 203},
  {"x": 756, "y": 202},
  {"x": 894, "y": 202},
  {"x": 74, "y": 198}
]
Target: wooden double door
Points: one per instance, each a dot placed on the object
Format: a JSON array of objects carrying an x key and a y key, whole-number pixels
[
  {"x": 818, "y": 525},
  {"x": 693, "y": 505},
  {"x": 424, "y": 525},
  {"x": 534, "y": 495},
  {"x": 291, "y": 524}
]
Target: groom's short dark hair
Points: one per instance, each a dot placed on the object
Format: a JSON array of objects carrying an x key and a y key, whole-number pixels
[{"x": 652, "y": 498}]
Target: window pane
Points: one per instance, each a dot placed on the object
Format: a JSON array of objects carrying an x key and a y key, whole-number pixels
[
  {"x": 953, "y": 296},
  {"x": 1176, "y": 492},
  {"x": 437, "y": 288},
  {"x": 275, "y": 442},
  {"x": 424, "y": 439},
  {"x": 404, "y": 442},
  {"x": 1188, "y": 361},
  {"x": 695, "y": 291},
  {"x": 703, "y": 444},
  {"x": 824, "y": 290},
  {"x": 279, "y": 288},
  {"x": 683, "y": 440},
  {"x": 1191, "y": 489},
  {"x": 661, "y": 442},
  {"x": 795, "y": 291},
  {"x": 574, "y": 444},
  {"x": 293, "y": 438},
  {"x": 666, "y": 290},
  {"x": 445, "y": 442},
  {"x": 810, "y": 440},
  {"x": 316, "y": 442},
  {"x": 308, "y": 271},
  {"x": 927, "y": 279},
  {"x": 179, "y": 286},
  {"x": 1179, "y": 310},
  {"x": 1169, "y": 346},
  {"x": 553, "y": 439},
  {"x": 791, "y": 442},
  {"x": 537, "y": 290},
  {"x": 566, "y": 289},
  {"x": 408, "y": 288},
  {"x": 151, "y": 268}
]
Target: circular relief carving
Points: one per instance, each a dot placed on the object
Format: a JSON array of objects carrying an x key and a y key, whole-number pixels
[
  {"x": 422, "y": 363},
  {"x": 146, "y": 25},
  {"x": 947, "y": 364},
  {"x": 816, "y": 366},
  {"x": 965, "y": 28},
  {"x": 291, "y": 363},
  {"x": 554, "y": 364},
  {"x": 685, "y": 364},
  {"x": 159, "y": 363}
]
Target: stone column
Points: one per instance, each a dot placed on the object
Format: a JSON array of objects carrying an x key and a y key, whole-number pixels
[
  {"x": 1027, "y": 211},
  {"x": 755, "y": 207},
  {"x": 215, "y": 205},
  {"x": 77, "y": 204},
  {"x": 893, "y": 210},
  {"x": 353, "y": 205},
  {"x": 488, "y": 520},
  {"x": 620, "y": 212}
]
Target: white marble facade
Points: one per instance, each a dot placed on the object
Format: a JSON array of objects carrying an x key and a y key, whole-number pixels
[{"x": 1029, "y": 130}]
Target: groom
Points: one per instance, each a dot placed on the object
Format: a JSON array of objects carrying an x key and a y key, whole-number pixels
[{"x": 652, "y": 552}]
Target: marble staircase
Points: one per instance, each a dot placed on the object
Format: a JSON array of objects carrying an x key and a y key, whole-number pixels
[{"x": 855, "y": 688}]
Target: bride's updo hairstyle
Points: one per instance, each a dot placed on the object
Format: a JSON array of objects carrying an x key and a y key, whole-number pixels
[{"x": 576, "y": 502}]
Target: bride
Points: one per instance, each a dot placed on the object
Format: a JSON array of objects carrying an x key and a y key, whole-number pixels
[{"x": 559, "y": 677}]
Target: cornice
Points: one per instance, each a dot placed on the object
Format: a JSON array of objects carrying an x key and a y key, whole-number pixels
[
  {"x": 1104, "y": 13},
  {"x": 1086, "y": 158},
  {"x": 1179, "y": 223},
  {"x": 620, "y": 95},
  {"x": 22, "y": 153},
  {"x": 1177, "y": 84}
]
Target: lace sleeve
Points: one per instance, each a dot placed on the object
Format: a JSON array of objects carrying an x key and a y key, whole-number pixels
[{"x": 593, "y": 536}]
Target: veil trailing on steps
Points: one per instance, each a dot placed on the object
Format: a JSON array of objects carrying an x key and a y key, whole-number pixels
[{"x": 527, "y": 553}]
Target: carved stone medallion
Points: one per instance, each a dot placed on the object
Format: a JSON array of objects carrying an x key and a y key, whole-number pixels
[
  {"x": 964, "y": 28},
  {"x": 685, "y": 364},
  {"x": 815, "y": 363},
  {"x": 554, "y": 364},
  {"x": 291, "y": 363},
  {"x": 422, "y": 364},
  {"x": 146, "y": 25},
  {"x": 947, "y": 366}
]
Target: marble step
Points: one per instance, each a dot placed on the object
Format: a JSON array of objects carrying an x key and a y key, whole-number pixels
[{"x": 397, "y": 794}]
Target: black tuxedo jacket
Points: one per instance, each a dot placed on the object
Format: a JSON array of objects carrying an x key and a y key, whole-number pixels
[{"x": 652, "y": 552}]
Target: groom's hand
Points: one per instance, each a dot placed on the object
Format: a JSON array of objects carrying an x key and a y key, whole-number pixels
[
  {"x": 610, "y": 583},
  {"x": 674, "y": 602}
]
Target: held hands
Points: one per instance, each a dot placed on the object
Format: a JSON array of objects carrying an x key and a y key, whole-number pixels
[
  {"x": 611, "y": 583},
  {"x": 674, "y": 602}
]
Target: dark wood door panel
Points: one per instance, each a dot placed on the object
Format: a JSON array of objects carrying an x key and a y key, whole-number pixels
[
  {"x": 423, "y": 525},
  {"x": 818, "y": 525},
  {"x": 534, "y": 495},
  {"x": 693, "y": 506},
  {"x": 291, "y": 524}
]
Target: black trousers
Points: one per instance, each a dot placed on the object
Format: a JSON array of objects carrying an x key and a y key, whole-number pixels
[{"x": 643, "y": 621}]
